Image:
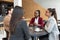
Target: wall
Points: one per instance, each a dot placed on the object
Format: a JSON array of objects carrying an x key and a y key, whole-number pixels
[
  {"x": 30, "y": 6},
  {"x": 18, "y": 3},
  {"x": 7, "y": 0},
  {"x": 50, "y": 4}
]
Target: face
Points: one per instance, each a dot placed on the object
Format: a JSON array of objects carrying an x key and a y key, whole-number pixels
[
  {"x": 36, "y": 14},
  {"x": 10, "y": 11},
  {"x": 48, "y": 14}
]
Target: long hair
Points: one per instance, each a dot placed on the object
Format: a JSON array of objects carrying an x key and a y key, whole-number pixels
[
  {"x": 53, "y": 13},
  {"x": 38, "y": 12},
  {"x": 16, "y": 16}
]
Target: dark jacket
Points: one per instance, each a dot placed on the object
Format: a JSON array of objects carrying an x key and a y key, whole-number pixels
[{"x": 21, "y": 31}]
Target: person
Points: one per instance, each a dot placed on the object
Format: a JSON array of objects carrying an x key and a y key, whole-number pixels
[
  {"x": 7, "y": 20},
  {"x": 18, "y": 26},
  {"x": 51, "y": 25},
  {"x": 36, "y": 20}
]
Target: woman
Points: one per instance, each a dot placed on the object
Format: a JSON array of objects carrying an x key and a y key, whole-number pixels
[
  {"x": 18, "y": 27},
  {"x": 36, "y": 20},
  {"x": 51, "y": 26},
  {"x": 7, "y": 20}
]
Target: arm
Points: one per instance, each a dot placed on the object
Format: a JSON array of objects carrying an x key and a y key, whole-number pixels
[
  {"x": 40, "y": 23},
  {"x": 25, "y": 30},
  {"x": 37, "y": 24},
  {"x": 6, "y": 23},
  {"x": 50, "y": 26}
]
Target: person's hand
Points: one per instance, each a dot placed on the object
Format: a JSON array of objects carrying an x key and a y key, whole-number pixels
[
  {"x": 31, "y": 25},
  {"x": 35, "y": 24},
  {"x": 7, "y": 29}
]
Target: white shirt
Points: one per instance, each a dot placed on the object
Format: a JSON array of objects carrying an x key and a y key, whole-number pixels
[
  {"x": 52, "y": 28},
  {"x": 36, "y": 20}
]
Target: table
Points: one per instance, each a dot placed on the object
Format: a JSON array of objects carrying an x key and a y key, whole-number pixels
[{"x": 37, "y": 34}]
